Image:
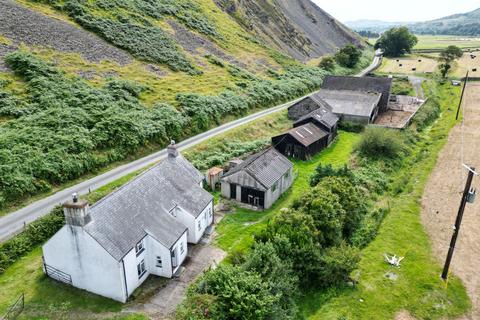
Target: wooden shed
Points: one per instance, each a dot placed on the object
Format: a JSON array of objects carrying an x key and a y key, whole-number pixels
[
  {"x": 302, "y": 142},
  {"x": 323, "y": 118}
]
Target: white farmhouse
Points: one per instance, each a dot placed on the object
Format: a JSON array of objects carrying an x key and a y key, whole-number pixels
[{"x": 140, "y": 229}]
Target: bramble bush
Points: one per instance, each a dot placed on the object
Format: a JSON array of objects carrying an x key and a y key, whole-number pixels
[{"x": 379, "y": 142}]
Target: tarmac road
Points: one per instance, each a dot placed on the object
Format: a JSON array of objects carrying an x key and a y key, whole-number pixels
[{"x": 15, "y": 222}]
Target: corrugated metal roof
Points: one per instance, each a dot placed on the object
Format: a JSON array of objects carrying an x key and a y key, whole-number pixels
[
  {"x": 364, "y": 84},
  {"x": 142, "y": 206},
  {"x": 307, "y": 134},
  {"x": 355, "y": 103},
  {"x": 267, "y": 167},
  {"x": 322, "y": 114}
]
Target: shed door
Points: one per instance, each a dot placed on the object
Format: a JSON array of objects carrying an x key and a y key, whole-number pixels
[{"x": 233, "y": 191}]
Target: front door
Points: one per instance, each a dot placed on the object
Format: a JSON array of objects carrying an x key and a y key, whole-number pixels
[
  {"x": 174, "y": 259},
  {"x": 233, "y": 191}
]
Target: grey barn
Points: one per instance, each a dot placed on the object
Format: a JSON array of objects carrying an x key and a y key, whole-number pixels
[
  {"x": 361, "y": 84},
  {"x": 306, "y": 106},
  {"x": 259, "y": 180}
]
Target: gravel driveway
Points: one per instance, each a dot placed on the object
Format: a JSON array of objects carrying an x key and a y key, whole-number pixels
[{"x": 23, "y": 25}]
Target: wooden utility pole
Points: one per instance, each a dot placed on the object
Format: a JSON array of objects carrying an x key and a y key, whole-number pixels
[
  {"x": 458, "y": 223},
  {"x": 461, "y": 97}
]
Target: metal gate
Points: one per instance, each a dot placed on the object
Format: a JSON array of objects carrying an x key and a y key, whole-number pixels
[{"x": 56, "y": 274}]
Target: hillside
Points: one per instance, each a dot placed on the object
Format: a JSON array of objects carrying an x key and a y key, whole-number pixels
[
  {"x": 464, "y": 24},
  {"x": 87, "y": 83}
]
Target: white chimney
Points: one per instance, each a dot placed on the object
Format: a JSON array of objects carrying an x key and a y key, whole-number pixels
[
  {"x": 172, "y": 150},
  {"x": 76, "y": 211}
]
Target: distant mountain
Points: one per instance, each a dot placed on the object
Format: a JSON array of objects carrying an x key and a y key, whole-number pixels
[
  {"x": 463, "y": 24},
  {"x": 373, "y": 25}
]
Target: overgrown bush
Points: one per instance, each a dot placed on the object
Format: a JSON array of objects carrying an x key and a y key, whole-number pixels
[
  {"x": 379, "y": 142},
  {"x": 324, "y": 171},
  {"x": 35, "y": 234},
  {"x": 427, "y": 114},
  {"x": 350, "y": 126},
  {"x": 327, "y": 63},
  {"x": 348, "y": 56}
]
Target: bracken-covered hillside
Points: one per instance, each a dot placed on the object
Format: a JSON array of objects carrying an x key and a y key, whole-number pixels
[{"x": 84, "y": 83}]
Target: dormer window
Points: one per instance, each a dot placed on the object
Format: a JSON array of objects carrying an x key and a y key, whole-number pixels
[{"x": 139, "y": 248}]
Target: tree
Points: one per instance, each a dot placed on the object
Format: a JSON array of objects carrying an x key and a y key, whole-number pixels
[
  {"x": 348, "y": 56},
  {"x": 447, "y": 57},
  {"x": 396, "y": 42},
  {"x": 337, "y": 263},
  {"x": 327, "y": 63}
]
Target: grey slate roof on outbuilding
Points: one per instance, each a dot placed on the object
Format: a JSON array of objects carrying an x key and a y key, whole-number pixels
[
  {"x": 142, "y": 206},
  {"x": 267, "y": 167},
  {"x": 351, "y": 102},
  {"x": 322, "y": 114},
  {"x": 363, "y": 84},
  {"x": 307, "y": 134}
]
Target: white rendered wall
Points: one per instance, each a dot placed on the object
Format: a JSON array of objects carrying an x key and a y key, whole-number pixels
[{"x": 75, "y": 252}]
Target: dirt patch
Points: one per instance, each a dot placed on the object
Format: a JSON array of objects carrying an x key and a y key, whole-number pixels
[
  {"x": 442, "y": 198},
  {"x": 404, "y": 315}
]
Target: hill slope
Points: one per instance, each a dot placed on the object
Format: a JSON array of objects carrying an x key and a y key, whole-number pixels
[
  {"x": 464, "y": 24},
  {"x": 85, "y": 83}
]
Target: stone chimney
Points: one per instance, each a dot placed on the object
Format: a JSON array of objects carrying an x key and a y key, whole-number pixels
[
  {"x": 172, "y": 150},
  {"x": 76, "y": 212}
]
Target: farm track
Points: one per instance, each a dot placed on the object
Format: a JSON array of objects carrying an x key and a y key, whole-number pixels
[
  {"x": 442, "y": 197},
  {"x": 23, "y": 25}
]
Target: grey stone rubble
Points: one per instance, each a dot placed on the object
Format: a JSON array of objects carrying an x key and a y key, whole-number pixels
[{"x": 23, "y": 25}]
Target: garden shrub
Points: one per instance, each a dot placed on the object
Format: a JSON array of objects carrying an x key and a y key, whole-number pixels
[
  {"x": 379, "y": 142},
  {"x": 324, "y": 171},
  {"x": 351, "y": 126}
]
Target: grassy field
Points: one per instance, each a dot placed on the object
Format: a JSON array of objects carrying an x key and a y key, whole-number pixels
[
  {"x": 235, "y": 231},
  {"x": 426, "y": 42},
  {"x": 409, "y": 62},
  {"x": 47, "y": 299},
  {"x": 418, "y": 287}
]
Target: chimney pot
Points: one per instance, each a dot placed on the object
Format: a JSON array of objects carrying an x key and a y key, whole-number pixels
[
  {"x": 75, "y": 198},
  {"x": 172, "y": 150}
]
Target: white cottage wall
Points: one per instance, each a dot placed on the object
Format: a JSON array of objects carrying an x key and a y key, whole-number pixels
[{"x": 74, "y": 252}]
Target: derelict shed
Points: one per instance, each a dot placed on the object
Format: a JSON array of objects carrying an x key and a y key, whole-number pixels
[
  {"x": 306, "y": 106},
  {"x": 302, "y": 142},
  {"x": 363, "y": 84},
  {"x": 259, "y": 180},
  {"x": 324, "y": 119}
]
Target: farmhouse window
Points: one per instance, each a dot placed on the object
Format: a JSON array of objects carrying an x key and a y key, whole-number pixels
[
  {"x": 181, "y": 247},
  {"x": 159, "y": 262},
  {"x": 139, "y": 248},
  {"x": 199, "y": 225},
  {"x": 141, "y": 270},
  {"x": 274, "y": 187}
]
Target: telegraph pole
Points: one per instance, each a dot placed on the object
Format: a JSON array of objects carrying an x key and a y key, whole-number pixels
[
  {"x": 461, "y": 97},
  {"x": 458, "y": 222}
]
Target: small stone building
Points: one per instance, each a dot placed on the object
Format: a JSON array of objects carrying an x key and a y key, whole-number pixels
[
  {"x": 306, "y": 106},
  {"x": 259, "y": 180}
]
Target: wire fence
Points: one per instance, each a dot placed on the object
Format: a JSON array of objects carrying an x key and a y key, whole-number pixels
[{"x": 15, "y": 309}]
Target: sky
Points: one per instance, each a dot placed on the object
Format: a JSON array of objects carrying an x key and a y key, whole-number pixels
[{"x": 403, "y": 10}]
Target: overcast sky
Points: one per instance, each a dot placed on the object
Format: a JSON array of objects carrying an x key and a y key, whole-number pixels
[{"x": 388, "y": 10}]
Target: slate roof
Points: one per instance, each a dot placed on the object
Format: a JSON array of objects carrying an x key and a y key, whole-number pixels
[
  {"x": 364, "y": 84},
  {"x": 322, "y": 114},
  {"x": 307, "y": 134},
  {"x": 267, "y": 167},
  {"x": 141, "y": 207},
  {"x": 354, "y": 103}
]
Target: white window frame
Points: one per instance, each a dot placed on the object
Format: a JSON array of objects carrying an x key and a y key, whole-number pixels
[
  {"x": 199, "y": 224},
  {"x": 139, "y": 248},
  {"x": 182, "y": 249},
  {"x": 159, "y": 262},
  {"x": 141, "y": 269}
]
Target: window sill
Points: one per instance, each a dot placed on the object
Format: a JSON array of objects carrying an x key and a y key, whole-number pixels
[
  {"x": 140, "y": 252},
  {"x": 141, "y": 275}
]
